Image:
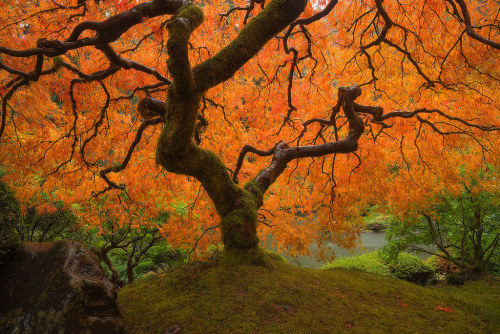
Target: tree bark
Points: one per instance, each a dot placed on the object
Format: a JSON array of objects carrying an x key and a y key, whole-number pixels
[{"x": 177, "y": 152}]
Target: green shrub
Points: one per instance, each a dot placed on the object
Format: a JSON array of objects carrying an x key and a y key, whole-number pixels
[
  {"x": 410, "y": 268},
  {"x": 369, "y": 262},
  {"x": 442, "y": 267},
  {"x": 36, "y": 226},
  {"x": 158, "y": 257},
  {"x": 494, "y": 264},
  {"x": 463, "y": 227},
  {"x": 10, "y": 215},
  {"x": 275, "y": 256},
  {"x": 406, "y": 266}
]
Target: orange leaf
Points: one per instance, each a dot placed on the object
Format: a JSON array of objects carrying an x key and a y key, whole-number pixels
[
  {"x": 401, "y": 304},
  {"x": 444, "y": 309}
]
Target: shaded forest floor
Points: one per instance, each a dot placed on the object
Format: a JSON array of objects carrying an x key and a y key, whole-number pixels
[{"x": 207, "y": 297}]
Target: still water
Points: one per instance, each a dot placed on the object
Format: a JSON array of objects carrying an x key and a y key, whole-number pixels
[{"x": 370, "y": 241}]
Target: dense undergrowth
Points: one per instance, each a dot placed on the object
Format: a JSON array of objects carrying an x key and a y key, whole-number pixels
[
  {"x": 405, "y": 266},
  {"x": 209, "y": 297}
]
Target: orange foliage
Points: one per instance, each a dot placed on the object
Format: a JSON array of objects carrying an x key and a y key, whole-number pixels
[{"x": 428, "y": 62}]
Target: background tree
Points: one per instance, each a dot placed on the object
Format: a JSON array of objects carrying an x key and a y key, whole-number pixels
[
  {"x": 462, "y": 228},
  {"x": 126, "y": 250},
  {"x": 230, "y": 83},
  {"x": 133, "y": 242},
  {"x": 39, "y": 225}
]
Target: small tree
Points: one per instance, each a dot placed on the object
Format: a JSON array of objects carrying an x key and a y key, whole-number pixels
[
  {"x": 41, "y": 226},
  {"x": 132, "y": 242},
  {"x": 464, "y": 229}
]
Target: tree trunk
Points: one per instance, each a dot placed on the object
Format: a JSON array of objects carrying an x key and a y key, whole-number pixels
[
  {"x": 103, "y": 256},
  {"x": 130, "y": 273},
  {"x": 177, "y": 151}
]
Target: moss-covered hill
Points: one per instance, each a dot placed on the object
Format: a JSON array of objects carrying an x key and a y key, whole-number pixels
[{"x": 212, "y": 298}]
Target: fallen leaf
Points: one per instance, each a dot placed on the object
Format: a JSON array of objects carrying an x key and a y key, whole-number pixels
[
  {"x": 401, "y": 304},
  {"x": 444, "y": 309}
]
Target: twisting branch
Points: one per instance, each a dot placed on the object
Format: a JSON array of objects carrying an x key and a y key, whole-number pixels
[
  {"x": 147, "y": 88},
  {"x": 295, "y": 57},
  {"x": 191, "y": 252},
  {"x": 106, "y": 31},
  {"x": 469, "y": 28},
  {"x": 248, "y": 10},
  {"x": 383, "y": 33},
  {"x": 22, "y": 79},
  {"x": 5, "y": 101},
  {"x": 118, "y": 167},
  {"x": 244, "y": 151},
  {"x": 99, "y": 75},
  {"x": 284, "y": 154},
  {"x": 379, "y": 116},
  {"x": 96, "y": 124},
  {"x": 118, "y": 60}
]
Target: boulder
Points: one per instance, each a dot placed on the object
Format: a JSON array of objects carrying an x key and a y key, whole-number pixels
[
  {"x": 375, "y": 227},
  {"x": 56, "y": 287}
]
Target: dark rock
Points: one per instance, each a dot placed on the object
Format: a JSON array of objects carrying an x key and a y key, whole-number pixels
[
  {"x": 462, "y": 277},
  {"x": 375, "y": 227},
  {"x": 175, "y": 329},
  {"x": 421, "y": 277},
  {"x": 56, "y": 287}
]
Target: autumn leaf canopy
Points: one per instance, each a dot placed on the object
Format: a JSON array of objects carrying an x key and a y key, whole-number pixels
[{"x": 321, "y": 109}]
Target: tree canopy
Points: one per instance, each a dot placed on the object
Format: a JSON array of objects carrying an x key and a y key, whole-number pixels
[{"x": 246, "y": 118}]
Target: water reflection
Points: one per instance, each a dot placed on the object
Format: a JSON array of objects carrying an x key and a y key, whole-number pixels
[{"x": 370, "y": 241}]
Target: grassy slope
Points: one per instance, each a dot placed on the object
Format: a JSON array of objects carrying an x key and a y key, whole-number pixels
[{"x": 211, "y": 298}]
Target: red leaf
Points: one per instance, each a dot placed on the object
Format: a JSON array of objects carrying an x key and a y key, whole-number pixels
[
  {"x": 401, "y": 304},
  {"x": 444, "y": 309}
]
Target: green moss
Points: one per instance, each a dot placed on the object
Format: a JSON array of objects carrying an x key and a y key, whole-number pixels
[
  {"x": 238, "y": 229},
  {"x": 239, "y": 226},
  {"x": 257, "y": 190},
  {"x": 369, "y": 262},
  {"x": 274, "y": 256},
  {"x": 254, "y": 256},
  {"x": 57, "y": 61},
  {"x": 480, "y": 298},
  {"x": 194, "y": 14},
  {"x": 275, "y": 17},
  {"x": 207, "y": 297},
  {"x": 411, "y": 269},
  {"x": 406, "y": 266}
]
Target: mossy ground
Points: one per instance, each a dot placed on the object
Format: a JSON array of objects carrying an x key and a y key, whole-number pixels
[{"x": 208, "y": 297}]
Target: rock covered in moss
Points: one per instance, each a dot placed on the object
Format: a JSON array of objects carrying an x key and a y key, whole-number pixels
[
  {"x": 56, "y": 287},
  {"x": 376, "y": 226}
]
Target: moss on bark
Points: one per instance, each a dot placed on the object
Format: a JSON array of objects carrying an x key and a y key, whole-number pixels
[{"x": 178, "y": 153}]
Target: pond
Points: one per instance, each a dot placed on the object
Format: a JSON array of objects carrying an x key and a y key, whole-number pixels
[{"x": 370, "y": 241}]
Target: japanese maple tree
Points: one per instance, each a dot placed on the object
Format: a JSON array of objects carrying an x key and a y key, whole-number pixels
[{"x": 239, "y": 117}]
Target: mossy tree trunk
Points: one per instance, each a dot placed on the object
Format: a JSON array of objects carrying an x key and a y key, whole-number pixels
[{"x": 177, "y": 150}]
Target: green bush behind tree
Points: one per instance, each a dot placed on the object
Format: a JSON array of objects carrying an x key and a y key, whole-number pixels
[
  {"x": 463, "y": 229},
  {"x": 404, "y": 266}
]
